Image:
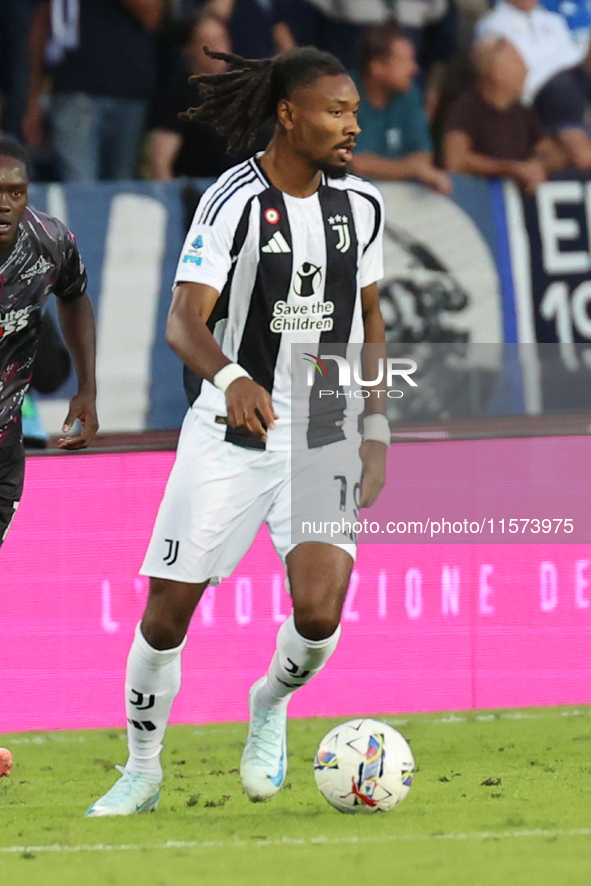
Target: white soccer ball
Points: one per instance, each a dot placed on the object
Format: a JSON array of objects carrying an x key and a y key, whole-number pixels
[{"x": 364, "y": 766}]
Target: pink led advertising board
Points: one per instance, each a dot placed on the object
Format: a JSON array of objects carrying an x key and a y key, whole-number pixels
[{"x": 426, "y": 626}]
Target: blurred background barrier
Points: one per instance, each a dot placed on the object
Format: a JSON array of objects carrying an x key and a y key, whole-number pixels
[
  {"x": 437, "y": 627},
  {"x": 484, "y": 266}
]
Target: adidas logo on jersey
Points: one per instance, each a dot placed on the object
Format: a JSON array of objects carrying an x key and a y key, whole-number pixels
[{"x": 277, "y": 243}]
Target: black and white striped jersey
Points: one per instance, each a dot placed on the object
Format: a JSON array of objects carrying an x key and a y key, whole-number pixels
[{"x": 289, "y": 271}]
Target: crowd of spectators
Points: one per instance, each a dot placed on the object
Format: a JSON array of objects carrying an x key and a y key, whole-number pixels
[
  {"x": 94, "y": 88},
  {"x": 394, "y": 143}
]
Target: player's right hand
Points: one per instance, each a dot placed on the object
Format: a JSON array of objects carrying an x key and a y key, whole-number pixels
[
  {"x": 250, "y": 408},
  {"x": 83, "y": 408}
]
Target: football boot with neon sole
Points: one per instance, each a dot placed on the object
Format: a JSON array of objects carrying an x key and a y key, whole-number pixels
[
  {"x": 264, "y": 760},
  {"x": 130, "y": 794}
]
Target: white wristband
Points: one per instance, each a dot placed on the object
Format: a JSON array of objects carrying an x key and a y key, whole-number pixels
[
  {"x": 376, "y": 427},
  {"x": 227, "y": 374}
]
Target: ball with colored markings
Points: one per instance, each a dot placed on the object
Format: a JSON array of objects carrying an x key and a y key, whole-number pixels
[{"x": 364, "y": 766}]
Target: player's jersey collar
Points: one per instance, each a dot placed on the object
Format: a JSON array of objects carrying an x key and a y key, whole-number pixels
[{"x": 256, "y": 165}]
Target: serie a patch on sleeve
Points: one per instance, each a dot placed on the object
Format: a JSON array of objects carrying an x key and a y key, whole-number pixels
[{"x": 195, "y": 252}]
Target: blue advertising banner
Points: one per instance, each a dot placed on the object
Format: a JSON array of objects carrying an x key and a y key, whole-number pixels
[
  {"x": 548, "y": 239},
  {"x": 484, "y": 266}
]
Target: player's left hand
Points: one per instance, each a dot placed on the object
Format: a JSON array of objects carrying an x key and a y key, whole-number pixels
[
  {"x": 373, "y": 456},
  {"x": 83, "y": 408}
]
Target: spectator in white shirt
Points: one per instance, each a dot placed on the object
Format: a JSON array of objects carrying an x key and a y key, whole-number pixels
[
  {"x": 558, "y": 83},
  {"x": 577, "y": 15}
]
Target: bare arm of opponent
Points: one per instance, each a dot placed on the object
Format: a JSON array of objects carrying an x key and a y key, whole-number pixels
[{"x": 76, "y": 319}]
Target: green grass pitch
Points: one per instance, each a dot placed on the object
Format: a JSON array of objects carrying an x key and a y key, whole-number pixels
[{"x": 499, "y": 797}]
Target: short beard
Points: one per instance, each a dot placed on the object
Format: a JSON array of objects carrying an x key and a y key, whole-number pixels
[{"x": 331, "y": 170}]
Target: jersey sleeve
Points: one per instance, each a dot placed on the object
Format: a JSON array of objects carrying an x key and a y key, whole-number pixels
[
  {"x": 72, "y": 279},
  {"x": 206, "y": 256},
  {"x": 371, "y": 268}
]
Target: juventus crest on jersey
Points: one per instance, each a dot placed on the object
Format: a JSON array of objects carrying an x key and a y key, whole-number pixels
[{"x": 288, "y": 270}]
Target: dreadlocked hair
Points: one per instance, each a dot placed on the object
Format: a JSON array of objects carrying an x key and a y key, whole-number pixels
[{"x": 237, "y": 102}]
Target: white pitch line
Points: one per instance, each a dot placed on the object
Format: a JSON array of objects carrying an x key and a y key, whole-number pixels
[
  {"x": 394, "y": 720},
  {"x": 300, "y": 841},
  {"x": 487, "y": 718}
]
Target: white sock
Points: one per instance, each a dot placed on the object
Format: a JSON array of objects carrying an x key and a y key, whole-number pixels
[
  {"x": 152, "y": 681},
  {"x": 295, "y": 662}
]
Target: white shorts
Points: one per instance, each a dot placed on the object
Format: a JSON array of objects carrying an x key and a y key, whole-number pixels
[{"x": 218, "y": 496}]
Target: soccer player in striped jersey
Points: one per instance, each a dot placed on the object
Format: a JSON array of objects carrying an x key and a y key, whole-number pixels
[{"x": 284, "y": 248}]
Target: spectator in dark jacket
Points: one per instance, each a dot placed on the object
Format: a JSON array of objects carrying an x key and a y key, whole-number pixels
[
  {"x": 178, "y": 147},
  {"x": 488, "y": 131},
  {"x": 101, "y": 55}
]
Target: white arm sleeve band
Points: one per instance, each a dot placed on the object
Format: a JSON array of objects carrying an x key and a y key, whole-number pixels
[
  {"x": 227, "y": 374},
  {"x": 376, "y": 427}
]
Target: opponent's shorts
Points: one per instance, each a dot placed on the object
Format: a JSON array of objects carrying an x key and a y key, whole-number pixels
[
  {"x": 218, "y": 496},
  {"x": 12, "y": 475}
]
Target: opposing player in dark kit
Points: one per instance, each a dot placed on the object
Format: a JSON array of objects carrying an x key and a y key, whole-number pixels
[
  {"x": 285, "y": 230},
  {"x": 38, "y": 256}
]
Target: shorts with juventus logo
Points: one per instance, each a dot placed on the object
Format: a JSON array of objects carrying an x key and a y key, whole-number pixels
[
  {"x": 218, "y": 496},
  {"x": 12, "y": 475}
]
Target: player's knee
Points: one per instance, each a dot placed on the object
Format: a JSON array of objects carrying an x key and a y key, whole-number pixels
[
  {"x": 316, "y": 625},
  {"x": 163, "y": 633}
]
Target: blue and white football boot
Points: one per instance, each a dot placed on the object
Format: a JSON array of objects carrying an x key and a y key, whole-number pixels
[
  {"x": 130, "y": 794},
  {"x": 264, "y": 760}
]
